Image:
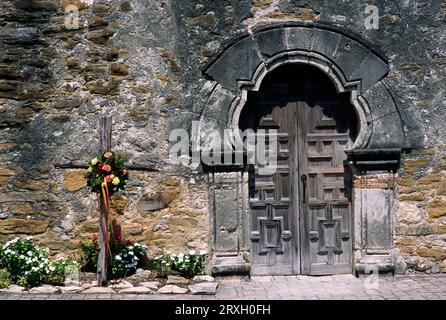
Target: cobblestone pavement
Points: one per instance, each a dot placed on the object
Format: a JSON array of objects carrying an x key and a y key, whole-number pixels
[{"x": 345, "y": 287}]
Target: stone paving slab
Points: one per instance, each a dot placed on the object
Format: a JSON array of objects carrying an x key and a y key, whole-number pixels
[{"x": 340, "y": 287}]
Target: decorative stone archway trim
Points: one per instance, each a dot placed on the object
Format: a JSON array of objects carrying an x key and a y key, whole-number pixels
[
  {"x": 320, "y": 62},
  {"x": 353, "y": 67},
  {"x": 349, "y": 63},
  {"x": 235, "y": 67}
]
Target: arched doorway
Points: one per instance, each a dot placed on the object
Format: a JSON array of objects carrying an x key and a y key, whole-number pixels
[
  {"x": 301, "y": 216},
  {"x": 356, "y": 69}
]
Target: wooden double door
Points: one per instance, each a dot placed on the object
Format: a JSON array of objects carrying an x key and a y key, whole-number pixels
[{"x": 300, "y": 214}]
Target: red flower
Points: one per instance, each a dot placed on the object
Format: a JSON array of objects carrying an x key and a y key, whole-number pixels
[
  {"x": 129, "y": 242},
  {"x": 106, "y": 168},
  {"x": 108, "y": 179},
  {"x": 94, "y": 237},
  {"x": 100, "y": 164},
  {"x": 80, "y": 241}
]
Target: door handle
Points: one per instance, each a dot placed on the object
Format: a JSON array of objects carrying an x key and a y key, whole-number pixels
[{"x": 304, "y": 178}]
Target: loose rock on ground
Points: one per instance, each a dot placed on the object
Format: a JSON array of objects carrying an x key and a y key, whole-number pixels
[
  {"x": 172, "y": 289},
  {"x": 204, "y": 288}
]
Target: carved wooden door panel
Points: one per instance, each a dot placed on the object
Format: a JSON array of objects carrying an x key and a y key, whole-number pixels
[
  {"x": 325, "y": 211},
  {"x": 272, "y": 219}
]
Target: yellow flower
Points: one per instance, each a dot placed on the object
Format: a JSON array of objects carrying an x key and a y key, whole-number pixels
[
  {"x": 115, "y": 181},
  {"x": 112, "y": 176},
  {"x": 94, "y": 161}
]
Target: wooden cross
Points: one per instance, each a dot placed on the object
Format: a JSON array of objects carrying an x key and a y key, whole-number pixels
[{"x": 105, "y": 131}]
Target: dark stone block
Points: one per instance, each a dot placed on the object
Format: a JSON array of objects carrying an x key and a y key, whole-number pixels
[
  {"x": 325, "y": 42},
  {"x": 230, "y": 265},
  {"x": 218, "y": 105},
  {"x": 271, "y": 42},
  {"x": 299, "y": 38},
  {"x": 238, "y": 62},
  {"x": 215, "y": 118},
  {"x": 387, "y": 132},
  {"x": 349, "y": 56},
  {"x": 365, "y": 160},
  {"x": 387, "y": 124},
  {"x": 370, "y": 70},
  {"x": 220, "y": 97}
]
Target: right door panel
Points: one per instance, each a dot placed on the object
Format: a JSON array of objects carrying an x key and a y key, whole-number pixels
[{"x": 325, "y": 210}]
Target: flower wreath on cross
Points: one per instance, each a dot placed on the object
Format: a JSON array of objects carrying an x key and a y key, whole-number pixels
[
  {"x": 106, "y": 174},
  {"x": 106, "y": 170}
]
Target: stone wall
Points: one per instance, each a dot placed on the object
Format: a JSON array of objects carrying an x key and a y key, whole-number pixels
[
  {"x": 421, "y": 211},
  {"x": 141, "y": 62},
  {"x": 55, "y": 83}
]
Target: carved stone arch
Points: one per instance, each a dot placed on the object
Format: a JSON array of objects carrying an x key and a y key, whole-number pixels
[{"x": 350, "y": 64}]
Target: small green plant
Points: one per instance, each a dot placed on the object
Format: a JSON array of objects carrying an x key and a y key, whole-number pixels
[
  {"x": 90, "y": 249},
  {"x": 163, "y": 265},
  {"x": 188, "y": 265},
  {"x": 5, "y": 279},
  {"x": 57, "y": 270},
  {"x": 26, "y": 263}
]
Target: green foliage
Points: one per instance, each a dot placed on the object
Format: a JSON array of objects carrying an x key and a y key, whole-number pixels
[
  {"x": 163, "y": 264},
  {"x": 58, "y": 269},
  {"x": 90, "y": 249},
  {"x": 5, "y": 279},
  {"x": 188, "y": 265}
]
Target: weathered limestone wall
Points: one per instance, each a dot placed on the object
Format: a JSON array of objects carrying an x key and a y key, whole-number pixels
[
  {"x": 140, "y": 61},
  {"x": 55, "y": 83},
  {"x": 421, "y": 211}
]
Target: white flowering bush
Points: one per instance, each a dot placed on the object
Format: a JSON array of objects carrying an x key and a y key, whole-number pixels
[
  {"x": 27, "y": 264},
  {"x": 126, "y": 260},
  {"x": 188, "y": 265}
]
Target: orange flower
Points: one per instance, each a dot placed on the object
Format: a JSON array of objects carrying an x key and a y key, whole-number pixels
[
  {"x": 90, "y": 169},
  {"x": 108, "y": 179},
  {"x": 107, "y": 168},
  {"x": 124, "y": 172},
  {"x": 108, "y": 154}
]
